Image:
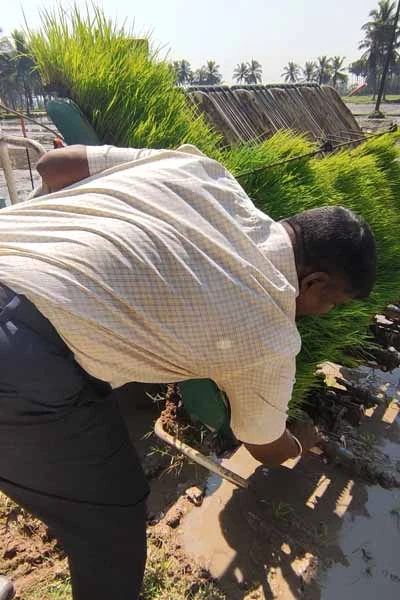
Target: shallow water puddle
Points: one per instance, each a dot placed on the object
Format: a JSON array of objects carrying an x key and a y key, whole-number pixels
[
  {"x": 311, "y": 532},
  {"x": 371, "y": 543}
]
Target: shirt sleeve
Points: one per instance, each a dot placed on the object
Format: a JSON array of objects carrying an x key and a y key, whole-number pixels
[
  {"x": 101, "y": 158},
  {"x": 258, "y": 399}
]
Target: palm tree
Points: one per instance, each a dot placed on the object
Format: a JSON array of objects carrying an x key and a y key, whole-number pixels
[
  {"x": 291, "y": 72},
  {"x": 211, "y": 69},
  {"x": 241, "y": 72},
  {"x": 324, "y": 69},
  {"x": 310, "y": 71},
  {"x": 359, "y": 68},
  {"x": 337, "y": 72},
  {"x": 175, "y": 67},
  {"x": 10, "y": 86},
  {"x": 379, "y": 26},
  {"x": 190, "y": 77},
  {"x": 6, "y": 54},
  {"x": 24, "y": 65},
  {"x": 377, "y": 37},
  {"x": 183, "y": 71},
  {"x": 389, "y": 58},
  {"x": 254, "y": 72},
  {"x": 19, "y": 79},
  {"x": 200, "y": 77}
]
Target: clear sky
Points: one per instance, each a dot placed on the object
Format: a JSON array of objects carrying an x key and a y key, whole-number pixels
[{"x": 273, "y": 32}]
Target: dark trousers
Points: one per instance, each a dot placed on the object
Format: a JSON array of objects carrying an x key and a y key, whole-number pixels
[{"x": 66, "y": 456}]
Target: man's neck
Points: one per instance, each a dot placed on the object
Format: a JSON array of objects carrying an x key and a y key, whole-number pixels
[{"x": 295, "y": 238}]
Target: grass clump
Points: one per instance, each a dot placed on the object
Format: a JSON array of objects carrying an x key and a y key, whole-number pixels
[
  {"x": 50, "y": 590},
  {"x": 167, "y": 577}
]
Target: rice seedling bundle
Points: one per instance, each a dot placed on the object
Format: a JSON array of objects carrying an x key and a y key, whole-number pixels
[
  {"x": 127, "y": 94},
  {"x": 365, "y": 179},
  {"x": 130, "y": 98}
]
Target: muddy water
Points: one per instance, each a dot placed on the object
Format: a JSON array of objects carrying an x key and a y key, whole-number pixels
[
  {"x": 371, "y": 543},
  {"x": 372, "y": 540},
  {"x": 384, "y": 384},
  {"x": 312, "y": 531}
]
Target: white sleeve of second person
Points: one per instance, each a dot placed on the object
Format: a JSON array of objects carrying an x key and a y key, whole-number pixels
[
  {"x": 259, "y": 398},
  {"x": 101, "y": 158}
]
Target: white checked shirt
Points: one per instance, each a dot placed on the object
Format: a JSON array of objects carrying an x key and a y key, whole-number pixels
[{"x": 158, "y": 268}]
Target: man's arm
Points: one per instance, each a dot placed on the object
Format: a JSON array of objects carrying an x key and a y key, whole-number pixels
[
  {"x": 277, "y": 452},
  {"x": 65, "y": 166},
  {"x": 285, "y": 447},
  {"x": 258, "y": 398}
]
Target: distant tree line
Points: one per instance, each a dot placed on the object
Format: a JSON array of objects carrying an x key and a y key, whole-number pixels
[
  {"x": 248, "y": 72},
  {"x": 21, "y": 87},
  {"x": 210, "y": 74},
  {"x": 368, "y": 68},
  {"x": 324, "y": 70},
  {"x": 20, "y": 84}
]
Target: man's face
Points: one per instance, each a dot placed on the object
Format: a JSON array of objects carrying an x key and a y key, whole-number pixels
[{"x": 319, "y": 293}]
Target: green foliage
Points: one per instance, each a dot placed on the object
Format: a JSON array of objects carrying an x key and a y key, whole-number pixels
[
  {"x": 365, "y": 179},
  {"x": 291, "y": 72},
  {"x": 19, "y": 82},
  {"x": 249, "y": 73},
  {"x": 376, "y": 45},
  {"x": 130, "y": 98},
  {"x": 126, "y": 92}
]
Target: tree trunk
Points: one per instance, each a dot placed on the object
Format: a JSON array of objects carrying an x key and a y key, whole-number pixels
[
  {"x": 387, "y": 60},
  {"x": 26, "y": 97},
  {"x": 375, "y": 86}
]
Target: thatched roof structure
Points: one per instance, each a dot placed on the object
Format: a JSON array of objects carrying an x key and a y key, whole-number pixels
[{"x": 255, "y": 112}]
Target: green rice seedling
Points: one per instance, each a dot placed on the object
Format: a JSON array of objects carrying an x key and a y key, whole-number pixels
[
  {"x": 386, "y": 154},
  {"x": 127, "y": 92},
  {"x": 365, "y": 179}
]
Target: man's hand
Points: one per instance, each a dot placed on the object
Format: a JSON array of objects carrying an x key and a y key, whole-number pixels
[
  {"x": 275, "y": 453},
  {"x": 306, "y": 433},
  {"x": 63, "y": 167},
  {"x": 285, "y": 447}
]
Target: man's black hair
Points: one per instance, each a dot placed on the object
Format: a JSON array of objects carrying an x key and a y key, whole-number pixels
[{"x": 335, "y": 240}]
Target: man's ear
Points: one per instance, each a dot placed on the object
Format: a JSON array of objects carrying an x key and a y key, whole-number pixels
[{"x": 318, "y": 278}]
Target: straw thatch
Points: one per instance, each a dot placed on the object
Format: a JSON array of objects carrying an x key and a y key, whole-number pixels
[{"x": 256, "y": 112}]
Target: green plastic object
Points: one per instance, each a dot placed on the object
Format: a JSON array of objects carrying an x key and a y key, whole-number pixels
[
  {"x": 206, "y": 404},
  {"x": 72, "y": 123}
]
